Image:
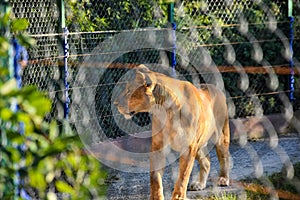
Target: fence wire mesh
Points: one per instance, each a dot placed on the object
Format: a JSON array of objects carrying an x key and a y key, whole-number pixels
[
  {"x": 239, "y": 38},
  {"x": 43, "y": 69}
]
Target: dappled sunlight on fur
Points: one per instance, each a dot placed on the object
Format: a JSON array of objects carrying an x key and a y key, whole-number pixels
[{"x": 184, "y": 118}]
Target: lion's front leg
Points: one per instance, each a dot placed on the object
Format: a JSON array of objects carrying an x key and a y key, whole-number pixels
[
  {"x": 157, "y": 162},
  {"x": 186, "y": 164},
  {"x": 156, "y": 190}
]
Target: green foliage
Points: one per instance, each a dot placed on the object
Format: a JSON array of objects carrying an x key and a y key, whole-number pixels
[
  {"x": 221, "y": 196},
  {"x": 90, "y": 15},
  {"x": 225, "y": 196},
  {"x": 48, "y": 157}
]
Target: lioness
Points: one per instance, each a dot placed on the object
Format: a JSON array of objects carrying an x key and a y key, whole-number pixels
[{"x": 184, "y": 118}]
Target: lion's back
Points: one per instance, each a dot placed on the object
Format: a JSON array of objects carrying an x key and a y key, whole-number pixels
[{"x": 217, "y": 99}]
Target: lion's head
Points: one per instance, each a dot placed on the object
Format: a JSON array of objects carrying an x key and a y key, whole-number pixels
[{"x": 137, "y": 96}]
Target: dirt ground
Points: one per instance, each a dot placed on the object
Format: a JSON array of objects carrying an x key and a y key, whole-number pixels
[{"x": 249, "y": 159}]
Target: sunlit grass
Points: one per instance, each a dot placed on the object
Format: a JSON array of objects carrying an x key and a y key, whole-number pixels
[{"x": 278, "y": 185}]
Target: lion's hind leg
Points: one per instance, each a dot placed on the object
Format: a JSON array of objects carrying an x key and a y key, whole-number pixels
[
  {"x": 222, "y": 148},
  {"x": 204, "y": 162}
]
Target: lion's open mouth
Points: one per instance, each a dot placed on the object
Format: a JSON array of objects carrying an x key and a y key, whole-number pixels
[
  {"x": 132, "y": 113},
  {"x": 129, "y": 115}
]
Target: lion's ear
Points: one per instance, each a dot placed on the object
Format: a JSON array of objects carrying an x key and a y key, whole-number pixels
[
  {"x": 143, "y": 79},
  {"x": 148, "y": 81},
  {"x": 142, "y": 68},
  {"x": 139, "y": 77}
]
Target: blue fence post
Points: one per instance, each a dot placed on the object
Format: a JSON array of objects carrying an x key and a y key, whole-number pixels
[
  {"x": 65, "y": 44},
  {"x": 66, "y": 73},
  {"x": 291, "y": 62},
  {"x": 172, "y": 54},
  {"x": 20, "y": 61}
]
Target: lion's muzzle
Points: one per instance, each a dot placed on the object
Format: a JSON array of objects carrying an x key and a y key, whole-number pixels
[{"x": 124, "y": 110}]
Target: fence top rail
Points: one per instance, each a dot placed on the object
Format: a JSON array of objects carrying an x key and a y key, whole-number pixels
[
  {"x": 283, "y": 69},
  {"x": 150, "y": 29},
  {"x": 101, "y": 32},
  {"x": 233, "y": 25}
]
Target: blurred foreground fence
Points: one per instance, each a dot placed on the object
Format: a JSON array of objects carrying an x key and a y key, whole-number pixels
[{"x": 80, "y": 48}]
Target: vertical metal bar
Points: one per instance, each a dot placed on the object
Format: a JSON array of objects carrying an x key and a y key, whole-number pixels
[
  {"x": 290, "y": 8},
  {"x": 291, "y": 62},
  {"x": 62, "y": 13},
  {"x": 66, "y": 73},
  {"x": 65, "y": 44},
  {"x": 172, "y": 54}
]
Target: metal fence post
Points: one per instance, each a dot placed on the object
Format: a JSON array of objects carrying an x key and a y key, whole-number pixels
[
  {"x": 66, "y": 73},
  {"x": 66, "y": 55},
  {"x": 172, "y": 54},
  {"x": 291, "y": 62}
]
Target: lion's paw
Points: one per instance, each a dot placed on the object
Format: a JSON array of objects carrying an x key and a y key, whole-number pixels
[
  {"x": 196, "y": 186},
  {"x": 222, "y": 181}
]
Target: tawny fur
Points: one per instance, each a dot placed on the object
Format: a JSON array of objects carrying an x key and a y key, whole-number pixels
[{"x": 184, "y": 118}]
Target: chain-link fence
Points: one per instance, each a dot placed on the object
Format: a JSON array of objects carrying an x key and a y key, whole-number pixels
[
  {"x": 248, "y": 42},
  {"x": 43, "y": 69}
]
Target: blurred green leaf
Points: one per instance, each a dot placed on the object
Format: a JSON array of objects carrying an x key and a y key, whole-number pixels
[
  {"x": 53, "y": 149},
  {"x": 8, "y": 87},
  {"x": 42, "y": 105},
  {"x": 19, "y": 25},
  {"x": 3, "y": 71},
  {"x": 32, "y": 146},
  {"x": 3, "y": 172},
  {"x": 4, "y": 22},
  {"x": 50, "y": 176},
  {"x": 53, "y": 131},
  {"x": 64, "y": 187},
  {"x": 25, "y": 118},
  {"x": 4, "y": 46},
  {"x": 15, "y": 155},
  {"x": 36, "y": 179},
  {"x": 26, "y": 40},
  {"x": 28, "y": 90},
  {"x": 15, "y": 137},
  {"x": 29, "y": 159},
  {"x": 37, "y": 103},
  {"x": 41, "y": 140},
  {"x": 6, "y": 114}
]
